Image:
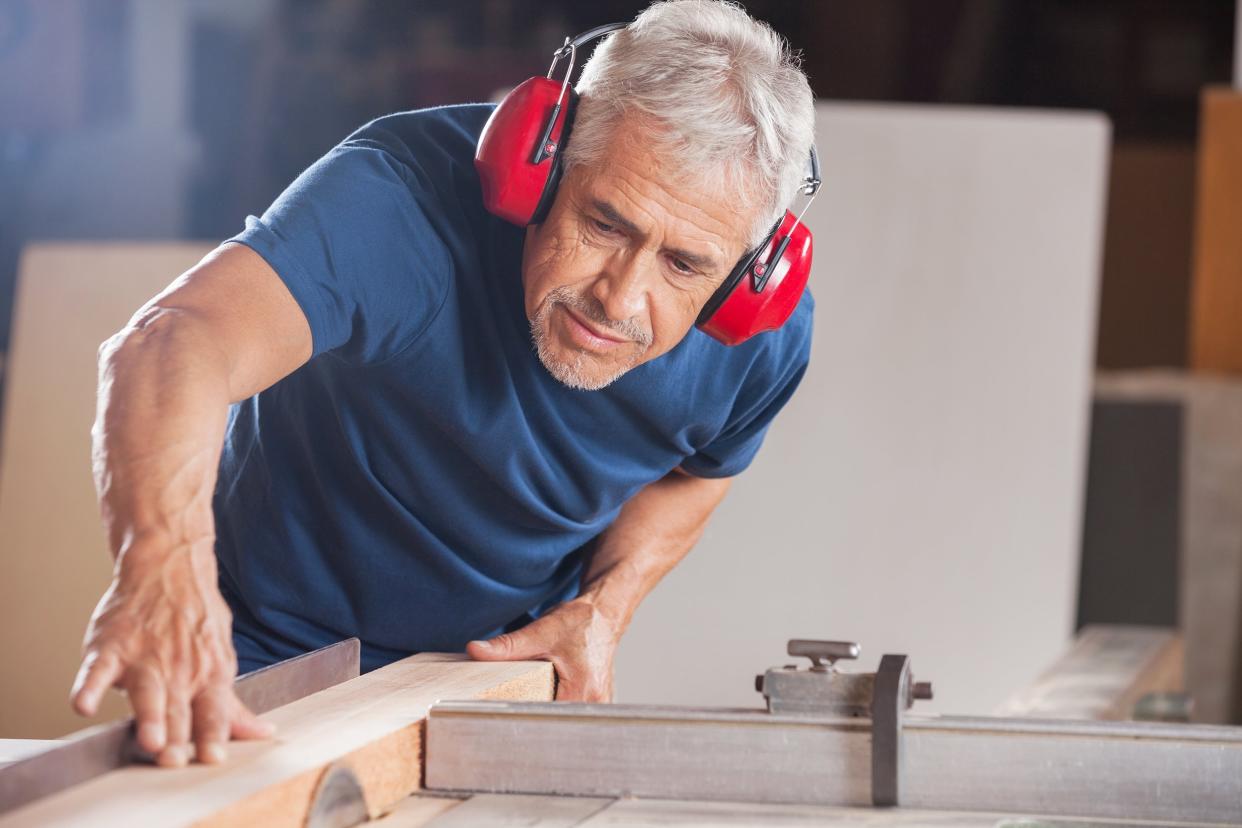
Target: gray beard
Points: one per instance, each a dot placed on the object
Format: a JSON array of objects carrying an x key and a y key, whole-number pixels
[{"x": 570, "y": 372}]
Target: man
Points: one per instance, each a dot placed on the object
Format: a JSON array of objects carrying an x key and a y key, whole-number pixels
[{"x": 336, "y": 425}]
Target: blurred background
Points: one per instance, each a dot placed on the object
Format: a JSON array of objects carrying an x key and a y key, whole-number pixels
[
  {"x": 1025, "y": 408},
  {"x": 137, "y": 119}
]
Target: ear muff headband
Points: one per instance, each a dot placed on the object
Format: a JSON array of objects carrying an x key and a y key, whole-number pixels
[{"x": 518, "y": 159}]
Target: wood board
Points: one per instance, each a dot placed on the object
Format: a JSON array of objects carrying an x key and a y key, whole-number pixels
[
  {"x": 922, "y": 491},
  {"x": 1216, "y": 336},
  {"x": 373, "y": 724},
  {"x": 54, "y": 561},
  {"x": 1210, "y": 542},
  {"x": 1105, "y": 673}
]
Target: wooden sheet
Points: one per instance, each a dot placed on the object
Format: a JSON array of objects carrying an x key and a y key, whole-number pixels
[
  {"x": 373, "y": 724},
  {"x": 1216, "y": 337},
  {"x": 54, "y": 562},
  {"x": 1105, "y": 673}
]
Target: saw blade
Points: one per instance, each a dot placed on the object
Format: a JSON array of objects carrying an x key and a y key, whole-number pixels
[
  {"x": 339, "y": 801},
  {"x": 103, "y": 748}
]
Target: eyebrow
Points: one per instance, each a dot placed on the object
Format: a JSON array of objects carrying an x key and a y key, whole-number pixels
[{"x": 610, "y": 213}]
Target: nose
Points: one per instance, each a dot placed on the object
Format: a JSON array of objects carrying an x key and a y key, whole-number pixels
[{"x": 621, "y": 288}]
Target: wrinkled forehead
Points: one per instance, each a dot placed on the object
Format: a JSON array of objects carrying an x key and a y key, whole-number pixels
[{"x": 645, "y": 178}]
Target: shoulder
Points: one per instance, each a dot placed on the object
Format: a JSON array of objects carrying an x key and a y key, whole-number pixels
[
  {"x": 426, "y": 139},
  {"x": 416, "y": 169},
  {"x": 773, "y": 355}
]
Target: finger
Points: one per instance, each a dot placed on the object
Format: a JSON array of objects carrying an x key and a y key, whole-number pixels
[
  {"x": 246, "y": 725},
  {"x": 176, "y": 752},
  {"x": 526, "y": 643},
  {"x": 100, "y": 669},
  {"x": 211, "y": 723},
  {"x": 146, "y": 696}
]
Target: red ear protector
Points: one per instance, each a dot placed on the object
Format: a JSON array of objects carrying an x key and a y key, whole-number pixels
[{"x": 518, "y": 159}]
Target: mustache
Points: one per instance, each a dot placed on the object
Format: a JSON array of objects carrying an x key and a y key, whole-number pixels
[{"x": 594, "y": 311}]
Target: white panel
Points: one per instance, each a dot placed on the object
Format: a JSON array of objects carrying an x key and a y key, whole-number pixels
[{"x": 922, "y": 492}]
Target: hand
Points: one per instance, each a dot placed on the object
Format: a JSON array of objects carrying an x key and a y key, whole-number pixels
[
  {"x": 162, "y": 633},
  {"x": 576, "y": 637}
]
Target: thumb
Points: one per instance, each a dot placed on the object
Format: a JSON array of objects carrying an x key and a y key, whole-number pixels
[{"x": 521, "y": 645}]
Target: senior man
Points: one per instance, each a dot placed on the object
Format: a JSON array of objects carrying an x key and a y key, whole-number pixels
[{"x": 336, "y": 424}]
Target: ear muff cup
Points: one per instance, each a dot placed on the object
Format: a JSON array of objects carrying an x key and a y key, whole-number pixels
[
  {"x": 515, "y": 186},
  {"x": 739, "y": 271},
  {"x": 782, "y": 263}
]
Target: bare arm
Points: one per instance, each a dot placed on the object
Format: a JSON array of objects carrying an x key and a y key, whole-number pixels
[
  {"x": 221, "y": 332},
  {"x": 654, "y": 531}
]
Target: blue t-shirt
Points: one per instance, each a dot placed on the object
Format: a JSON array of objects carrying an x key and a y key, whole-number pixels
[{"x": 423, "y": 480}]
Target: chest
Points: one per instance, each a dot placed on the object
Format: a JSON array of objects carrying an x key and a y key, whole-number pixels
[{"x": 471, "y": 408}]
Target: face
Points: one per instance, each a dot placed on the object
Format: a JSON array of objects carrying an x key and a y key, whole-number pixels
[{"x": 623, "y": 264}]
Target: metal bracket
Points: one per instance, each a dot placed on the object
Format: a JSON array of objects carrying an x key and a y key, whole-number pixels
[
  {"x": 888, "y": 701},
  {"x": 820, "y": 689}
]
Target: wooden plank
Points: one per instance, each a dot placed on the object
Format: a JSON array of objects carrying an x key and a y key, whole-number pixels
[
  {"x": 373, "y": 724},
  {"x": 1216, "y": 336},
  {"x": 13, "y": 749},
  {"x": 70, "y": 298},
  {"x": 1107, "y": 670}
]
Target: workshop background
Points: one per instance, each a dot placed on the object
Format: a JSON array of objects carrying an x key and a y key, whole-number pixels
[{"x": 1094, "y": 453}]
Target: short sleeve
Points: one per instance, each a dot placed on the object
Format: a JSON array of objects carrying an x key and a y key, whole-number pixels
[
  {"x": 769, "y": 384},
  {"x": 352, "y": 241}
]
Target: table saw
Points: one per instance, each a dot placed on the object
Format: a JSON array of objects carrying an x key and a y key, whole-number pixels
[{"x": 440, "y": 741}]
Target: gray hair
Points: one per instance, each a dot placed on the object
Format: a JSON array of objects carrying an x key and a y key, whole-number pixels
[{"x": 728, "y": 95}]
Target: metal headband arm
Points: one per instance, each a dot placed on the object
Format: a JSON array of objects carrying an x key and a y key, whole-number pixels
[{"x": 545, "y": 149}]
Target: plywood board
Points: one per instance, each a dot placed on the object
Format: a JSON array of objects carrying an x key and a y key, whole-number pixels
[
  {"x": 1216, "y": 336},
  {"x": 54, "y": 561},
  {"x": 1103, "y": 675},
  {"x": 1210, "y": 579},
  {"x": 922, "y": 493},
  {"x": 373, "y": 724}
]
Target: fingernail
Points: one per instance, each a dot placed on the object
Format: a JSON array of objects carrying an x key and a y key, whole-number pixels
[
  {"x": 212, "y": 753},
  {"x": 487, "y": 645}
]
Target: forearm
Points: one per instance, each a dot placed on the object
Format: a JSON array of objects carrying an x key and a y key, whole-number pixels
[
  {"x": 162, "y": 406},
  {"x": 162, "y": 632},
  {"x": 654, "y": 531}
]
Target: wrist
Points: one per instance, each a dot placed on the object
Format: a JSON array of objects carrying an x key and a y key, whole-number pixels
[
  {"x": 612, "y": 600},
  {"x": 140, "y": 548}
]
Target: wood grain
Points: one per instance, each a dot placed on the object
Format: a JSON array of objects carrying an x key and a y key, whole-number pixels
[
  {"x": 1216, "y": 336},
  {"x": 373, "y": 724}
]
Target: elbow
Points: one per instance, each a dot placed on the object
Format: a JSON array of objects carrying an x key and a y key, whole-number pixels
[{"x": 151, "y": 327}]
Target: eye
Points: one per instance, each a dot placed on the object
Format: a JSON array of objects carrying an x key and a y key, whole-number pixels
[
  {"x": 681, "y": 267},
  {"x": 603, "y": 227}
]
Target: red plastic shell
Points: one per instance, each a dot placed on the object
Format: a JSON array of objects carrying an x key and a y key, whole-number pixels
[
  {"x": 746, "y": 313},
  {"x": 512, "y": 185}
]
